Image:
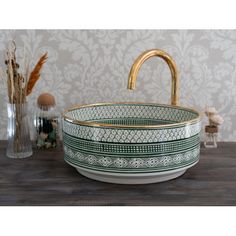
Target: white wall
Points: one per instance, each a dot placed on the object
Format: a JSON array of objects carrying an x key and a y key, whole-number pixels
[{"x": 88, "y": 66}]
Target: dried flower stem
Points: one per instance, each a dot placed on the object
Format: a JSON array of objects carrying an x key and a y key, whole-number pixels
[
  {"x": 19, "y": 87},
  {"x": 16, "y": 93}
]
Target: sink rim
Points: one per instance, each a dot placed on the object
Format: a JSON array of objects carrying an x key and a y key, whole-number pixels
[{"x": 96, "y": 124}]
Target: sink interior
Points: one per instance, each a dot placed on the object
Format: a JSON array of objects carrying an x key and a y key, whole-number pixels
[
  {"x": 133, "y": 121},
  {"x": 132, "y": 114}
]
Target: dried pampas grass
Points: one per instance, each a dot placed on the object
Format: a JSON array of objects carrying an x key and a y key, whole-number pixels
[
  {"x": 19, "y": 86},
  {"x": 35, "y": 74}
]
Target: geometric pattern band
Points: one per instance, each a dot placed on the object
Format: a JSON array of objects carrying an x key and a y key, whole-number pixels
[
  {"x": 148, "y": 111},
  {"x": 129, "y": 149},
  {"x": 122, "y": 135},
  {"x": 136, "y": 164}
]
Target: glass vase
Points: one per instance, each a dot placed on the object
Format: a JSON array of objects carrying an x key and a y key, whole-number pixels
[{"x": 19, "y": 144}]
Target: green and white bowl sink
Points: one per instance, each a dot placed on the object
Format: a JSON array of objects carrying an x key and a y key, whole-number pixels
[{"x": 131, "y": 143}]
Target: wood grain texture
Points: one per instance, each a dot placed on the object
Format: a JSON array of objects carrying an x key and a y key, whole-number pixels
[{"x": 45, "y": 179}]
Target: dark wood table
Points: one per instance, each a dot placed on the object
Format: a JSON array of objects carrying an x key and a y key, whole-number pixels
[{"x": 45, "y": 179}]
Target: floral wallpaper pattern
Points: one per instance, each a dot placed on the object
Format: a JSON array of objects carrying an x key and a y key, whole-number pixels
[{"x": 89, "y": 66}]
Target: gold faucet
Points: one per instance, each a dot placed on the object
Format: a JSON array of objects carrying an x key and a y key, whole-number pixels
[{"x": 174, "y": 72}]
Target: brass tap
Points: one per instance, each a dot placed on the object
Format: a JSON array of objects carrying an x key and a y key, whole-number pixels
[{"x": 174, "y": 72}]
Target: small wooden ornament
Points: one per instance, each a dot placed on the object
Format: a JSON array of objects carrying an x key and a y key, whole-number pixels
[
  {"x": 45, "y": 101},
  {"x": 211, "y": 129}
]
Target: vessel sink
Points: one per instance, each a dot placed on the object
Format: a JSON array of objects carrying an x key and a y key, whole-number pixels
[{"x": 131, "y": 143}]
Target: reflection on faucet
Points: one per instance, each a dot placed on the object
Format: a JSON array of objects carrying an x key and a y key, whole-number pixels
[{"x": 174, "y": 72}]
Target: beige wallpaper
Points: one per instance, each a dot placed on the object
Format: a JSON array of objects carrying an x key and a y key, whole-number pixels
[{"x": 87, "y": 66}]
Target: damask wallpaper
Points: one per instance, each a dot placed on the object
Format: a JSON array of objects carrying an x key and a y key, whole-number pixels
[{"x": 89, "y": 66}]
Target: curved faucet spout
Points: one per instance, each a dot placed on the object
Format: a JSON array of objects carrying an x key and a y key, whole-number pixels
[{"x": 174, "y": 72}]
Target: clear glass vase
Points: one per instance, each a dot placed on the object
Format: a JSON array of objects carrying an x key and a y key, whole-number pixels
[{"x": 19, "y": 144}]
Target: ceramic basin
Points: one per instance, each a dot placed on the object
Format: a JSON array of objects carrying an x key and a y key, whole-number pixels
[{"x": 131, "y": 143}]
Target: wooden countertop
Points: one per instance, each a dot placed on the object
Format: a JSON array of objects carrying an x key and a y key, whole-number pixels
[{"x": 45, "y": 179}]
